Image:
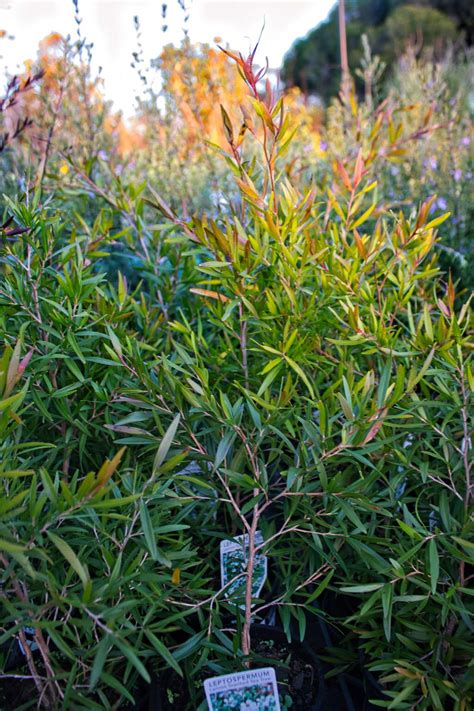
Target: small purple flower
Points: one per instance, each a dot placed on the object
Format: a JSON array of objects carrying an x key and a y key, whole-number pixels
[
  {"x": 394, "y": 170},
  {"x": 119, "y": 169},
  {"x": 457, "y": 175},
  {"x": 439, "y": 204},
  {"x": 433, "y": 163},
  {"x": 465, "y": 141},
  {"x": 102, "y": 155},
  {"x": 323, "y": 145}
]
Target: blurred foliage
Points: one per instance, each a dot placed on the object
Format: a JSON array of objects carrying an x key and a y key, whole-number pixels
[
  {"x": 232, "y": 314},
  {"x": 427, "y": 104},
  {"x": 313, "y": 62}
]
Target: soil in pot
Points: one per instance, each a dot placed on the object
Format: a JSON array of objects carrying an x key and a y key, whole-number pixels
[
  {"x": 17, "y": 689},
  {"x": 298, "y": 672},
  {"x": 352, "y": 689},
  {"x": 18, "y": 694}
]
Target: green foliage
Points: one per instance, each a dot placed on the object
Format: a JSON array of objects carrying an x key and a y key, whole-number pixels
[
  {"x": 312, "y": 62},
  {"x": 295, "y": 363},
  {"x": 100, "y": 544},
  {"x": 427, "y": 149},
  {"x": 405, "y": 24}
]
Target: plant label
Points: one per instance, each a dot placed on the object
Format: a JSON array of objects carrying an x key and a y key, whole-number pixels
[
  {"x": 29, "y": 634},
  {"x": 234, "y": 560},
  {"x": 253, "y": 690}
]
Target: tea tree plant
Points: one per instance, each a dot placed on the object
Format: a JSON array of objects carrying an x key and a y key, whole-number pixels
[
  {"x": 91, "y": 544},
  {"x": 310, "y": 364},
  {"x": 292, "y": 362},
  {"x": 308, "y": 377},
  {"x": 426, "y": 149}
]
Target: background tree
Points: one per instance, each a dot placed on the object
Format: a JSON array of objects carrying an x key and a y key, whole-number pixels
[
  {"x": 414, "y": 25},
  {"x": 313, "y": 62}
]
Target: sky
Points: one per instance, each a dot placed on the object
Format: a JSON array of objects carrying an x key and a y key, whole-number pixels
[{"x": 109, "y": 25}]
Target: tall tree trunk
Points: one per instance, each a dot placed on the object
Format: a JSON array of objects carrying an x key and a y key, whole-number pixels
[{"x": 345, "y": 79}]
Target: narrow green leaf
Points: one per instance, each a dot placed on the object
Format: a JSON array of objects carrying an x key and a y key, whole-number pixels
[
  {"x": 99, "y": 660},
  {"x": 10, "y": 547},
  {"x": 321, "y": 587},
  {"x": 166, "y": 443},
  {"x": 437, "y": 221},
  {"x": 404, "y": 693},
  {"x": 387, "y": 598},
  {"x": 66, "y": 550},
  {"x": 434, "y": 564},
  {"x": 223, "y": 447},
  {"x": 128, "y": 652},
  {"x": 117, "y": 346},
  {"x": 164, "y": 652},
  {"x": 301, "y": 373},
  {"x": 269, "y": 379},
  {"x": 467, "y": 545},
  {"x": 148, "y": 530},
  {"x": 369, "y": 587},
  {"x": 363, "y": 217}
]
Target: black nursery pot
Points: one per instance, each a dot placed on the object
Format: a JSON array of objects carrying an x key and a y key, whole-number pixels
[
  {"x": 353, "y": 689},
  {"x": 303, "y": 681}
]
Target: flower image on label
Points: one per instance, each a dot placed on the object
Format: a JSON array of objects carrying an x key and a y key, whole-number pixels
[
  {"x": 253, "y": 690},
  {"x": 234, "y": 556},
  {"x": 29, "y": 636}
]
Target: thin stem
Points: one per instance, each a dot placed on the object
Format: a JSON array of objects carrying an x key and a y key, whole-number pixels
[
  {"x": 243, "y": 345},
  {"x": 246, "y": 642}
]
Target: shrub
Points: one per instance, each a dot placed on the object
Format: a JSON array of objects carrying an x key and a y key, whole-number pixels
[
  {"x": 295, "y": 365},
  {"x": 424, "y": 150},
  {"x": 332, "y": 368},
  {"x": 89, "y": 556}
]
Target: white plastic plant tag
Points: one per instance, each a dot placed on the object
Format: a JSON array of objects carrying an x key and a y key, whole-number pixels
[
  {"x": 253, "y": 690},
  {"x": 234, "y": 557},
  {"x": 29, "y": 632}
]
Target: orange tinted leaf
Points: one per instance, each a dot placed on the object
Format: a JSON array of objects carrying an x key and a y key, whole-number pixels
[
  {"x": 210, "y": 294},
  {"x": 343, "y": 174},
  {"x": 359, "y": 169}
]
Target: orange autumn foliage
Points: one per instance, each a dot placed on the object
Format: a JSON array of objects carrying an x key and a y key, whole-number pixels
[
  {"x": 171, "y": 128},
  {"x": 68, "y": 106},
  {"x": 197, "y": 79}
]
